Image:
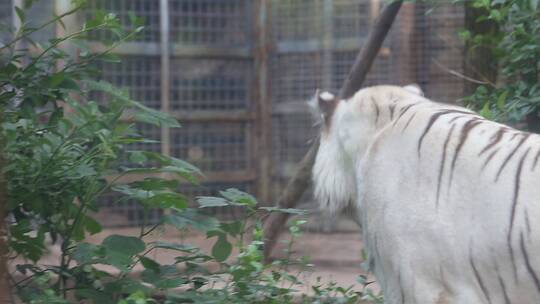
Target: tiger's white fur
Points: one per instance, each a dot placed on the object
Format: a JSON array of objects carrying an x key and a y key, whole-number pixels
[{"x": 448, "y": 201}]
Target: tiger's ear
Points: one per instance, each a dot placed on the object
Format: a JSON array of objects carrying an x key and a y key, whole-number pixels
[
  {"x": 414, "y": 88},
  {"x": 323, "y": 105},
  {"x": 327, "y": 103}
]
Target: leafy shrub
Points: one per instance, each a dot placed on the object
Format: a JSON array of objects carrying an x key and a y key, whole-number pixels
[
  {"x": 63, "y": 152},
  {"x": 516, "y": 46}
]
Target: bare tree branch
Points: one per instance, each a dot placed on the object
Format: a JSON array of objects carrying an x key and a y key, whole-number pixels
[
  {"x": 302, "y": 178},
  {"x": 460, "y": 75}
]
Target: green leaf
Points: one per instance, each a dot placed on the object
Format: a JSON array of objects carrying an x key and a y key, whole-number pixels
[
  {"x": 162, "y": 280},
  {"x": 119, "y": 260},
  {"x": 84, "y": 170},
  {"x": 239, "y": 197},
  {"x": 196, "y": 258},
  {"x": 145, "y": 114},
  {"x": 210, "y": 201},
  {"x": 156, "y": 118},
  {"x": 150, "y": 264},
  {"x": 190, "y": 217},
  {"x": 194, "y": 296},
  {"x": 152, "y": 183},
  {"x": 127, "y": 245},
  {"x": 137, "y": 157},
  {"x": 502, "y": 100},
  {"x": 170, "y": 283},
  {"x": 167, "y": 200},
  {"x": 70, "y": 84},
  {"x": 95, "y": 295},
  {"x": 481, "y": 90},
  {"x": 171, "y": 163},
  {"x": 153, "y": 199},
  {"x": 85, "y": 253},
  {"x": 233, "y": 228},
  {"x": 91, "y": 225},
  {"x": 127, "y": 285},
  {"x": 486, "y": 112},
  {"x": 168, "y": 169},
  {"x": 56, "y": 79},
  {"x": 175, "y": 246},
  {"x": 495, "y": 15},
  {"x": 285, "y": 210},
  {"x": 133, "y": 192},
  {"x": 20, "y": 13},
  {"x": 464, "y": 35},
  {"x": 222, "y": 249}
]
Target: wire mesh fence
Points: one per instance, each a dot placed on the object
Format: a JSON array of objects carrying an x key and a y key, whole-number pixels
[
  {"x": 213, "y": 83},
  {"x": 128, "y": 11},
  {"x": 352, "y": 19},
  {"x": 317, "y": 43},
  {"x": 213, "y": 147},
  {"x": 146, "y": 131},
  {"x": 118, "y": 212},
  {"x": 210, "y": 84},
  {"x": 442, "y": 51},
  {"x": 6, "y": 21},
  {"x": 6, "y": 12},
  {"x": 210, "y": 22},
  {"x": 139, "y": 75}
]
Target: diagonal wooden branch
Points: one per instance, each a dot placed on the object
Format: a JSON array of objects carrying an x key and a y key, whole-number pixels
[{"x": 302, "y": 178}]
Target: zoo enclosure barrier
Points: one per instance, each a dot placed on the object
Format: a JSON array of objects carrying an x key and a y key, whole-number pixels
[{"x": 237, "y": 73}]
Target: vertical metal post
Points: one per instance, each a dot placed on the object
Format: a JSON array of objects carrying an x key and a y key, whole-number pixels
[
  {"x": 165, "y": 72},
  {"x": 70, "y": 25},
  {"x": 263, "y": 122},
  {"x": 375, "y": 9},
  {"x": 16, "y": 22},
  {"x": 165, "y": 82},
  {"x": 60, "y": 7},
  {"x": 327, "y": 44},
  {"x": 15, "y": 18}
]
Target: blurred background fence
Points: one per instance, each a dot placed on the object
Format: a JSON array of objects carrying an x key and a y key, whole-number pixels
[{"x": 237, "y": 73}]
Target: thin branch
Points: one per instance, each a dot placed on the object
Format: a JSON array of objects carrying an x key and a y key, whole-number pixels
[
  {"x": 62, "y": 40},
  {"x": 367, "y": 54},
  {"x": 449, "y": 44},
  {"x": 104, "y": 52},
  {"x": 147, "y": 232},
  {"x": 460, "y": 75},
  {"x": 54, "y": 20}
]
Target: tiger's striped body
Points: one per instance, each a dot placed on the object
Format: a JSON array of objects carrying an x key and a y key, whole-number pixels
[{"x": 448, "y": 201}]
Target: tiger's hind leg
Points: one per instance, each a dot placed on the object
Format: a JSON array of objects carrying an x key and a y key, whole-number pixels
[
  {"x": 429, "y": 288},
  {"x": 426, "y": 292}
]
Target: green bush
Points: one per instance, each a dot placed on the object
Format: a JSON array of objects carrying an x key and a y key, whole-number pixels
[
  {"x": 63, "y": 151},
  {"x": 515, "y": 98}
]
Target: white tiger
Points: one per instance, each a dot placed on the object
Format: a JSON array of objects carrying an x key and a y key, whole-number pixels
[{"x": 448, "y": 201}]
